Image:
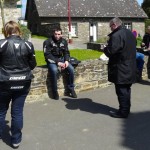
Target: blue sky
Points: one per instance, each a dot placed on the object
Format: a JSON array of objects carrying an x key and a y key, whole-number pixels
[
  {"x": 24, "y": 5},
  {"x": 140, "y": 1}
]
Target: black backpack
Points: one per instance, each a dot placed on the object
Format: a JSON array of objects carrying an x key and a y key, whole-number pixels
[{"x": 74, "y": 62}]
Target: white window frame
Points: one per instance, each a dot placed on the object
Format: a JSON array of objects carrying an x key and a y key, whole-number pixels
[
  {"x": 127, "y": 25},
  {"x": 74, "y": 29}
]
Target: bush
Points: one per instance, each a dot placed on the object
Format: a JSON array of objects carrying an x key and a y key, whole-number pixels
[
  {"x": 25, "y": 32},
  {"x": 139, "y": 40}
]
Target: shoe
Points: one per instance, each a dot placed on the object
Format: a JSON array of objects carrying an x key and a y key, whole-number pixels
[
  {"x": 15, "y": 145},
  {"x": 56, "y": 96},
  {"x": 70, "y": 93},
  {"x": 73, "y": 93},
  {"x": 117, "y": 114},
  {"x": 67, "y": 93}
]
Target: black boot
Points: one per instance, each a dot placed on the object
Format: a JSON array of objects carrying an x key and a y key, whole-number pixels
[
  {"x": 55, "y": 95},
  {"x": 139, "y": 76},
  {"x": 118, "y": 114},
  {"x": 70, "y": 93},
  {"x": 73, "y": 93}
]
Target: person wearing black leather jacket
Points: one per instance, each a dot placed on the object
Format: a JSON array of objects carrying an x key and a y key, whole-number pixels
[
  {"x": 57, "y": 57},
  {"x": 17, "y": 59}
]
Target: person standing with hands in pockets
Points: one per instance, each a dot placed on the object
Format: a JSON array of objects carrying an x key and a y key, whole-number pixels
[
  {"x": 17, "y": 59},
  {"x": 121, "y": 50}
]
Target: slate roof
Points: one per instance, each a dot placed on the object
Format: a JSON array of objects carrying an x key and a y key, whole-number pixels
[{"x": 90, "y": 8}]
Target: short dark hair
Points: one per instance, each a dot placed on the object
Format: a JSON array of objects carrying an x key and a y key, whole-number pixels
[{"x": 57, "y": 29}]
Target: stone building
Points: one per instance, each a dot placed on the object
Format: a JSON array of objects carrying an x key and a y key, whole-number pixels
[
  {"x": 12, "y": 11},
  {"x": 89, "y": 19}
]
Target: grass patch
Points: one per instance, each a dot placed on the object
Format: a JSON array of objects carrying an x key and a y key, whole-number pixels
[
  {"x": 85, "y": 54},
  {"x": 39, "y": 37},
  {"x": 79, "y": 54},
  {"x": 40, "y": 58}
]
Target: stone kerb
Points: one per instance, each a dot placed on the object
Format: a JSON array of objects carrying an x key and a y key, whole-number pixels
[{"x": 89, "y": 74}]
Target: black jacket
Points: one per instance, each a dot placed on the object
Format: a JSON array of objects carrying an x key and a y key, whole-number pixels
[
  {"x": 146, "y": 40},
  {"x": 54, "y": 50},
  {"x": 17, "y": 59},
  {"x": 121, "y": 50}
]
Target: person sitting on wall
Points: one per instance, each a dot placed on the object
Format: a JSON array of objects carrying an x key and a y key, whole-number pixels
[
  {"x": 139, "y": 61},
  {"x": 57, "y": 57}
]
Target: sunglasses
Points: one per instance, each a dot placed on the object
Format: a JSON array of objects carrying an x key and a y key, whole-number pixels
[{"x": 111, "y": 25}]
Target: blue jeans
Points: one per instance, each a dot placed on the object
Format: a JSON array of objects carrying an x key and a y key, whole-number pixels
[
  {"x": 140, "y": 61},
  {"x": 53, "y": 69},
  {"x": 17, "y": 100}
]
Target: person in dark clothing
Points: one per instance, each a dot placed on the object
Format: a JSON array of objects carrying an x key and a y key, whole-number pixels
[
  {"x": 121, "y": 50},
  {"x": 57, "y": 57},
  {"x": 17, "y": 59},
  {"x": 146, "y": 45},
  {"x": 139, "y": 61}
]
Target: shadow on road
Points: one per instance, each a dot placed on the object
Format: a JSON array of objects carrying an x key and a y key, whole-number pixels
[
  {"x": 144, "y": 82},
  {"x": 136, "y": 131},
  {"x": 86, "y": 104}
]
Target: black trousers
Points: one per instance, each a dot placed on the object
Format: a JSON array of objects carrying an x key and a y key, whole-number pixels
[{"x": 123, "y": 92}]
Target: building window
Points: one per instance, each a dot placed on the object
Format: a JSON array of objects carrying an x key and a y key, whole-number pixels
[
  {"x": 127, "y": 26},
  {"x": 19, "y": 5},
  {"x": 74, "y": 30}
]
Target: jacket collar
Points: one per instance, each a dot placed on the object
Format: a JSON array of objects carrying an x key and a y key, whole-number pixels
[
  {"x": 14, "y": 37},
  {"x": 119, "y": 28}
]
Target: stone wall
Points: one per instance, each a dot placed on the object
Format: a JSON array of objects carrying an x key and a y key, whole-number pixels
[
  {"x": 89, "y": 75},
  {"x": 83, "y": 27},
  {"x": 103, "y": 29},
  {"x": 11, "y": 12},
  {"x": 139, "y": 27}
]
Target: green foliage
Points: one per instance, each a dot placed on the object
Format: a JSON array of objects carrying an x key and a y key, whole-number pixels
[
  {"x": 77, "y": 53},
  {"x": 147, "y": 23},
  {"x": 139, "y": 41},
  {"x": 25, "y": 32},
  {"x": 146, "y": 7}
]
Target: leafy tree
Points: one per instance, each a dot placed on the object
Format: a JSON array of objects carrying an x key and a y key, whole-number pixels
[
  {"x": 146, "y": 7},
  {"x": 25, "y": 32}
]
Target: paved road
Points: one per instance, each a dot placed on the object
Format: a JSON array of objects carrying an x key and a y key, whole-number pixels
[
  {"x": 84, "y": 123},
  {"x": 38, "y": 44}
]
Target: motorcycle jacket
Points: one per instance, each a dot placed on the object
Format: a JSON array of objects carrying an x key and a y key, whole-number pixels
[
  {"x": 146, "y": 40},
  {"x": 17, "y": 59},
  {"x": 54, "y": 50}
]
